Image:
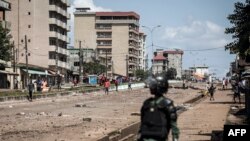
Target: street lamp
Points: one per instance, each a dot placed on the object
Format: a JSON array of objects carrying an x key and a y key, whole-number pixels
[{"x": 152, "y": 44}]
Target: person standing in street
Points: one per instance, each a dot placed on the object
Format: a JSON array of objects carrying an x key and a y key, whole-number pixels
[
  {"x": 212, "y": 91},
  {"x": 30, "y": 89},
  {"x": 129, "y": 84},
  {"x": 158, "y": 113},
  {"x": 106, "y": 86},
  {"x": 116, "y": 85},
  {"x": 237, "y": 92}
]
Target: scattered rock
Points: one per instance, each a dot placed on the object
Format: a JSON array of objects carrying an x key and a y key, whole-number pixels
[
  {"x": 234, "y": 108},
  {"x": 87, "y": 119},
  {"x": 80, "y": 105},
  {"x": 60, "y": 114},
  {"x": 53, "y": 100},
  {"x": 135, "y": 114},
  {"x": 42, "y": 113},
  {"x": 10, "y": 106},
  {"x": 21, "y": 113}
]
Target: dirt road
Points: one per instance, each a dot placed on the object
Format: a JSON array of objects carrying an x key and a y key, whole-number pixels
[{"x": 58, "y": 119}]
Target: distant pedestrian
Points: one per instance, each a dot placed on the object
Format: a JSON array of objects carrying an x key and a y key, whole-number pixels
[
  {"x": 75, "y": 82},
  {"x": 30, "y": 89},
  {"x": 116, "y": 85},
  {"x": 106, "y": 86},
  {"x": 223, "y": 84},
  {"x": 226, "y": 83},
  {"x": 212, "y": 91},
  {"x": 129, "y": 84},
  {"x": 236, "y": 92}
]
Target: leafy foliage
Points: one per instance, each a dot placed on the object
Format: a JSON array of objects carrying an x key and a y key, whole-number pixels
[
  {"x": 171, "y": 73},
  {"x": 240, "y": 29},
  {"x": 141, "y": 74},
  {"x": 5, "y": 45},
  {"x": 93, "y": 68}
]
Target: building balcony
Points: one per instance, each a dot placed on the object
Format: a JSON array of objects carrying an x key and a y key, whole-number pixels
[
  {"x": 131, "y": 54},
  {"x": 103, "y": 29},
  {"x": 68, "y": 3},
  {"x": 134, "y": 39},
  {"x": 53, "y": 34},
  {"x": 118, "y": 22},
  {"x": 6, "y": 24},
  {"x": 133, "y": 47},
  {"x": 58, "y": 10},
  {"x": 134, "y": 30},
  {"x": 52, "y": 48},
  {"x": 61, "y": 64},
  {"x": 104, "y": 38},
  {"x": 5, "y": 5},
  {"x": 109, "y": 46},
  {"x": 131, "y": 62},
  {"x": 68, "y": 40},
  {"x": 68, "y": 28},
  {"x": 68, "y": 16}
]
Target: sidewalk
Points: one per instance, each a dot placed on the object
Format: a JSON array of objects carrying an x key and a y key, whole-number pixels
[{"x": 198, "y": 123}]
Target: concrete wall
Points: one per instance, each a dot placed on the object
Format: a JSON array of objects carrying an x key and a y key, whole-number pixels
[
  {"x": 120, "y": 44},
  {"x": 84, "y": 29}
]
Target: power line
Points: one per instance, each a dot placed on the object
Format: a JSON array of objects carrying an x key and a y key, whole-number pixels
[{"x": 206, "y": 49}]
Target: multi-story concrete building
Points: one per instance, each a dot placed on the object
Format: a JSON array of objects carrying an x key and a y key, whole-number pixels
[
  {"x": 159, "y": 63},
  {"x": 5, "y": 73},
  {"x": 142, "y": 52},
  {"x": 163, "y": 60},
  {"x": 44, "y": 23},
  {"x": 174, "y": 60},
  {"x": 4, "y": 6},
  {"x": 74, "y": 61},
  {"x": 114, "y": 36}
]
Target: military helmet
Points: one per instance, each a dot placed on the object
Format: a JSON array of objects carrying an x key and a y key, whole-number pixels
[{"x": 158, "y": 84}]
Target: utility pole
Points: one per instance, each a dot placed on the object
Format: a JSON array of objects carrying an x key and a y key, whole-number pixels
[
  {"x": 56, "y": 79},
  {"x": 80, "y": 63},
  {"x": 127, "y": 65},
  {"x": 26, "y": 57},
  {"x": 106, "y": 63},
  {"x": 14, "y": 65}
]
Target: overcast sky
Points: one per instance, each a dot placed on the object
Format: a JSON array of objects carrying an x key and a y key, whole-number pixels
[{"x": 185, "y": 24}]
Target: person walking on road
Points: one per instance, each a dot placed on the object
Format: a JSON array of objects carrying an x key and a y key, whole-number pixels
[
  {"x": 30, "y": 89},
  {"x": 129, "y": 84},
  {"x": 212, "y": 91},
  {"x": 116, "y": 85},
  {"x": 106, "y": 86},
  {"x": 158, "y": 113},
  {"x": 236, "y": 92}
]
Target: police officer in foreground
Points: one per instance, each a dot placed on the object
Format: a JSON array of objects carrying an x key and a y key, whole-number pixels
[{"x": 158, "y": 114}]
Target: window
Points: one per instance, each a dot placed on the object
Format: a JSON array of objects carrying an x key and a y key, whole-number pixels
[
  {"x": 29, "y": 40},
  {"x": 29, "y": 13},
  {"x": 29, "y": 0},
  {"x": 29, "y": 26}
]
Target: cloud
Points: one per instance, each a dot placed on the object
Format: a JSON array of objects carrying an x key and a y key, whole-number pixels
[
  {"x": 196, "y": 35},
  {"x": 82, "y": 3}
]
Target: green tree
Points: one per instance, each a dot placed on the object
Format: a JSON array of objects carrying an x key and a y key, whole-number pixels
[
  {"x": 5, "y": 45},
  {"x": 141, "y": 74},
  {"x": 240, "y": 29},
  {"x": 93, "y": 68},
  {"x": 171, "y": 73}
]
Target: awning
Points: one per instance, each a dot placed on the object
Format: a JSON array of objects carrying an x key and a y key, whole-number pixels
[
  {"x": 36, "y": 72},
  {"x": 7, "y": 72},
  {"x": 54, "y": 73}
]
